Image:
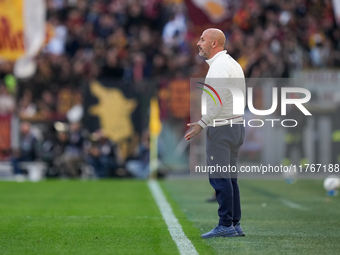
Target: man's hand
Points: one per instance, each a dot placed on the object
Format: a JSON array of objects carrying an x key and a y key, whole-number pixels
[{"x": 195, "y": 130}]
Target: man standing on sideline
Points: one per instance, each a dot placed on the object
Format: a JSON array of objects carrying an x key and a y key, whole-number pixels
[{"x": 223, "y": 139}]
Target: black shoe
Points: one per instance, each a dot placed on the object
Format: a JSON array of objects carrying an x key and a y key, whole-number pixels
[
  {"x": 221, "y": 231},
  {"x": 239, "y": 229}
]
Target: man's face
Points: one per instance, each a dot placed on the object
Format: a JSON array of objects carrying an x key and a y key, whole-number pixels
[
  {"x": 204, "y": 45},
  {"x": 25, "y": 128},
  {"x": 62, "y": 136}
]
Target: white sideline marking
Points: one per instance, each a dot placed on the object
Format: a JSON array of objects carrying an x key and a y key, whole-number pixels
[
  {"x": 183, "y": 243},
  {"x": 293, "y": 205}
]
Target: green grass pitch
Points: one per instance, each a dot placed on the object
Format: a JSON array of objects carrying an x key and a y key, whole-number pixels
[{"x": 121, "y": 217}]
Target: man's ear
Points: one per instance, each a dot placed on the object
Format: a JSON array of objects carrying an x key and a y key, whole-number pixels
[{"x": 214, "y": 44}]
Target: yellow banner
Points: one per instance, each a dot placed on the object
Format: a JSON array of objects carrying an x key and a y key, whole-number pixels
[{"x": 11, "y": 29}]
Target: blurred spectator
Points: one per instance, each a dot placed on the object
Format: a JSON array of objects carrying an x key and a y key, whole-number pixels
[
  {"x": 27, "y": 149},
  {"x": 57, "y": 43},
  {"x": 7, "y": 103},
  {"x": 102, "y": 155},
  {"x": 140, "y": 167},
  {"x": 53, "y": 147},
  {"x": 175, "y": 29},
  {"x": 112, "y": 68},
  {"x": 69, "y": 162},
  {"x": 46, "y": 105},
  {"x": 320, "y": 51},
  {"x": 27, "y": 108}
]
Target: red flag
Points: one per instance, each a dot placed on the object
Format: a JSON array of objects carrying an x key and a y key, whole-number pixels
[{"x": 211, "y": 13}]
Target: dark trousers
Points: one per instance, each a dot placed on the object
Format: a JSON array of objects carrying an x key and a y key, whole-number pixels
[
  {"x": 102, "y": 165},
  {"x": 223, "y": 144},
  {"x": 15, "y": 163}
]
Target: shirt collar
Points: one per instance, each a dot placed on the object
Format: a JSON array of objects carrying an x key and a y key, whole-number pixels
[{"x": 211, "y": 60}]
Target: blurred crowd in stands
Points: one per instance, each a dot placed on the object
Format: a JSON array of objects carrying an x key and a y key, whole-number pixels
[
  {"x": 68, "y": 150},
  {"x": 134, "y": 40}
]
